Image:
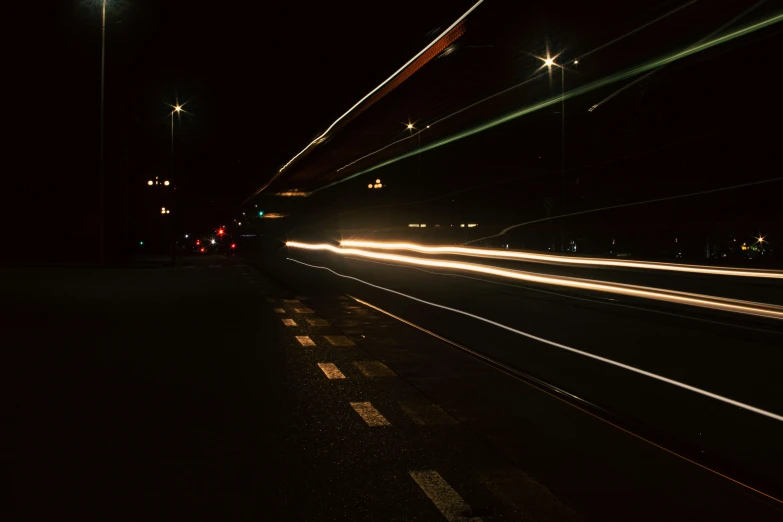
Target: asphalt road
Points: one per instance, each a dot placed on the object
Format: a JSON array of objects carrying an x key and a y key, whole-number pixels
[
  {"x": 735, "y": 359},
  {"x": 195, "y": 393},
  {"x": 217, "y": 390}
]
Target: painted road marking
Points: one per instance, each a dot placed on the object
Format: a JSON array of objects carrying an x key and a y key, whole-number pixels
[
  {"x": 293, "y": 301},
  {"x": 303, "y": 311},
  {"x": 374, "y": 369},
  {"x": 270, "y": 300},
  {"x": 443, "y": 496},
  {"x": 338, "y": 340},
  {"x": 427, "y": 414},
  {"x": 305, "y": 340},
  {"x": 317, "y": 321},
  {"x": 331, "y": 370},
  {"x": 288, "y": 322},
  {"x": 279, "y": 310},
  {"x": 370, "y": 415}
]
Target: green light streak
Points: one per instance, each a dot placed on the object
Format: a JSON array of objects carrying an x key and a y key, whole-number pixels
[{"x": 570, "y": 94}]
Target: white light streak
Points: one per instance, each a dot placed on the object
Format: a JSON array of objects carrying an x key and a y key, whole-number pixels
[
  {"x": 566, "y": 260},
  {"x": 633, "y": 369},
  {"x": 671, "y": 296},
  {"x": 323, "y": 135}
]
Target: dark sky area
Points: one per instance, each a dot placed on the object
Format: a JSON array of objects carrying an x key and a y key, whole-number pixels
[{"x": 259, "y": 81}]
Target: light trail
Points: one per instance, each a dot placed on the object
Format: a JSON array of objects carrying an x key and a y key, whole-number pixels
[
  {"x": 629, "y": 73},
  {"x": 622, "y": 205},
  {"x": 324, "y": 134},
  {"x": 611, "y": 362},
  {"x": 671, "y": 296},
  {"x": 555, "y": 259},
  {"x": 504, "y": 91},
  {"x": 712, "y": 34}
]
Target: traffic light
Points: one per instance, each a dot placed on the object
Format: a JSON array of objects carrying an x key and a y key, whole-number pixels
[
  {"x": 198, "y": 242},
  {"x": 260, "y": 213}
]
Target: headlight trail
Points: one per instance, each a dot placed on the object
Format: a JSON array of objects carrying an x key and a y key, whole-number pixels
[
  {"x": 612, "y": 362},
  {"x": 629, "y": 73},
  {"x": 322, "y": 137},
  {"x": 671, "y": 296},
  {"x": 565, "y": 260}
]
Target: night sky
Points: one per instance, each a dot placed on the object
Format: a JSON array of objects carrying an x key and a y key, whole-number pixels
[{"x": 259, "y": 81}]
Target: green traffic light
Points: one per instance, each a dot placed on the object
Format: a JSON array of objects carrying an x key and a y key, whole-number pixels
[
  {"x": 260, "y": 213},
  {"x": 141, "y": 242}
]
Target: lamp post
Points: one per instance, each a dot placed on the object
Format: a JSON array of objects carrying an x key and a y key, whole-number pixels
[
  {"x": 176, "y": 110},
  {"x": 549, "y": 62},
  {"x": 102, "y": 184}
]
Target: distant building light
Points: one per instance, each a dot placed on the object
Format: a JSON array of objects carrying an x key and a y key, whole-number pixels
[
  {"x": 149, "y": 182},
  {"x": 423, "y": 225},
  {"x": 471, "y": 225},
  {"x": 416, "y": 225},
  {"x": 463, "y": 225}
]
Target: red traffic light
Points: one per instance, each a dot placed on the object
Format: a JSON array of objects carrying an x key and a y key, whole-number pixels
[
  {"x": 198, "y": 242},
  {"x": 233, "y": 245},
  {"x": 202, "y": 249},
  {"x": 220, "y": 232}
]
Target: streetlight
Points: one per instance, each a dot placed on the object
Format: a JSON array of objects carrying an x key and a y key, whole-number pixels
[
  {"x": 102, "y": 170},
  {"x": 176, "y": 110},
  {"x": 549, "y": 62}
]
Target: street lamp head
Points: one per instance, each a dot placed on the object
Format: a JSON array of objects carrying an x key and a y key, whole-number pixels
[
  {"x": 549, "y": 62},
  {"x": 177, "y": 108},
  {"x": 410, "y": 126}
]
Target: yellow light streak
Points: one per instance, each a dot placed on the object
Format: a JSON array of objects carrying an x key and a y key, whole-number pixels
[
  {"x": 671, "y": 296},
  {"x": 566, "y": 260}
]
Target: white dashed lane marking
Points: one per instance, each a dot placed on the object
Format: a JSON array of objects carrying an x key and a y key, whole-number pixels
[
  {"x": 374, "y": 369},
  {"x": 369, "y": 414},
  {"x": 288, "y": 322},
  {"x": 279, "y": 310},
  {"x": 338, "y": 340},
  {"x": 331, "y": 371},
  {"x": 426, "y": 414},
  {"x": 305, "y": 340},
  {"x": 317, "y": 321},
  {"x": 443, "y": 496}
]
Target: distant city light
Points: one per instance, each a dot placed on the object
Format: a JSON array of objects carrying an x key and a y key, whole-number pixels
[
  {"x": 149, "y": 182},
  {"x": 166, "y": 183},
  {"x": 471, "y": 225},
  {"x": 240, "y": 224},
  {"x": 186, "y": 236},
  {"x": 377, "y": 181},
  {"x": 369, "y": 186},
  {"x": 416, "y": 225},
  {"x": 212, "y": 241},
  {"x": 576, "y": 62},
  {"x": 141, "y": 242},
  {"x": 260, "y": 213}
]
